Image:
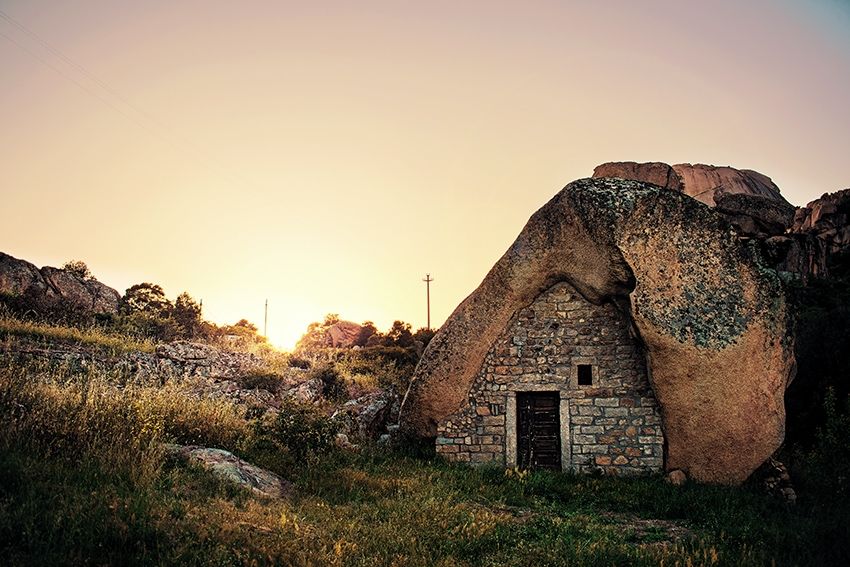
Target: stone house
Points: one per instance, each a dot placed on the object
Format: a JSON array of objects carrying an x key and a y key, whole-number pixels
[
  {"x": 587, "y": 361},
  {"x": 629, "y": 329}
]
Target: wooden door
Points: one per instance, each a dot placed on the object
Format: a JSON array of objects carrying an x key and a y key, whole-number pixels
[{"x": 538, "y": 430}]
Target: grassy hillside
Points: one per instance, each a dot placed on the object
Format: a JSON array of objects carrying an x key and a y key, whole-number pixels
[{"x": 84, "y": 480}]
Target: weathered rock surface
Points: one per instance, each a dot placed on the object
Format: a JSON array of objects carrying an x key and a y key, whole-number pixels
[
  {"x": 655, "y": 172},
  {"x": 184, "y": 359},
  {"x": 49, "y": 286},
  {"x": 340, "y": 334},
  {"x": 711, "y": 317},
  {"x": 307, "y": 392},
  {"x": 797, "y": 241},
  {"x": 230, "y": 467},
  {"x": 705, "y": 183},
  {"x": 366, "y": 417},
  {"x": 754, "y": 215},
  {"x": 19, "y": 276},
  {"x": 748, "y": 199},
  {"x": 202, "y": 371}
]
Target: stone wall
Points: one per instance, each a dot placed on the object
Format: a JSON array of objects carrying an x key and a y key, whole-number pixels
[{"x": 613, "y": 424}]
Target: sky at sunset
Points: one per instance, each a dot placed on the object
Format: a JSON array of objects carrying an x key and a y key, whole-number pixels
[{"x": 326, "y": 155}]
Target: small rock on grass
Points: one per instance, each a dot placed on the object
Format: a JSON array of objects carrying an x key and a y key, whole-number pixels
[{"x": 228, "y": 466}]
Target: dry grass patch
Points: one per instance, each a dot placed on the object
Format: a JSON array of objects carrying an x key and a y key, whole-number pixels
[{"x": 95, "y": 337}]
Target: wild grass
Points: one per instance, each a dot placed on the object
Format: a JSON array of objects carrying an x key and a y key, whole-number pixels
[
  {"x": 83, "y": 480},
  {"x": 94, "y": 336}
]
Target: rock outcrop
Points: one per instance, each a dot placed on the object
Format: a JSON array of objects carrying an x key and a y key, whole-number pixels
[
  {"x": 711, "y": 317},
  {"x": 366, "y": 417},
  {"x": 17, "y": 277},
  {"x": 827, "y": 219},
  {"x": 339, "y": 334},
  {"x": 705, "y": 183},
  {"x": 201, "y": 371},
  {"x": 342, "y": 334},
  {"x": 186, "y": 358},
  {"x": 798, "y": 242},
  {"x": 748, "y": 199},
  {"x": 51, "y": 287}
]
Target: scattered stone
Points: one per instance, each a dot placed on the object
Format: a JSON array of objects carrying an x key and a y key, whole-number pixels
[
  {"x": 774, "y": 479},
  {"x": 677, "y": 477},
  {"x": 307, "y": 392},
  {"x": 341, "y": 440}
]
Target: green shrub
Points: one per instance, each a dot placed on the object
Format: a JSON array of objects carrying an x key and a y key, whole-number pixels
[
  {"x": 825, "y": 468},
  {"x": 300, "y": 430},
  {"x": 821, "y": 310},
  {"x": 298, "y": 362},
  {"x": 333, "y": 384},
  {"x": 260, "y": 381}
]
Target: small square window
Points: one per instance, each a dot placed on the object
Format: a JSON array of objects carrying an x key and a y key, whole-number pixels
[{"x": 585, "y": 375}]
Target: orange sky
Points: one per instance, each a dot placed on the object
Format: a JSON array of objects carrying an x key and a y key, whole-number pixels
[{"x": 326, "y": 155}]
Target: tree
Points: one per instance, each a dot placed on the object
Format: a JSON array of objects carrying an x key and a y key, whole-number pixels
[
  {"x": 331, "y": 319},
  {"x": 78, "y": 268},
  {"x": 146, "y": 298},
  {"x": 246, "y": 324},
  {"x": 245, "y": 330},
  {"x": 187, "y": 314},
  {"x": 424, "y": 336},
  {"x": 400, "y": 335}
]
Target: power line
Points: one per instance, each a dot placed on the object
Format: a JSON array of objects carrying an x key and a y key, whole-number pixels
[
  {"x": 169, "y": 137},
  {"x": 428, "y": 279},
  {"x": 70, "y": 78},
  {"x": 72, "y": 63}
]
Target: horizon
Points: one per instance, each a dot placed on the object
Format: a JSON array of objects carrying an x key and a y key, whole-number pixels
[{"x": 327, "y": 158}]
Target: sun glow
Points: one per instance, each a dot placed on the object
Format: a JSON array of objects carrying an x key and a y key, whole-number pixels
[{"x": 327, "y": 157}]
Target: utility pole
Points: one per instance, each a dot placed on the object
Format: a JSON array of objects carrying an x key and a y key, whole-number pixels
[
  {"x": 428, "y": 279},
  {"x": 266, "y": 321}
]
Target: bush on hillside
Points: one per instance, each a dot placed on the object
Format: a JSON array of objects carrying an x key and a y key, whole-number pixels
[
  {"x": 79, "y": 269},
  {"x": 333, "y": 384},
  {"x": 824, "y": 470},
  {"x": 300, "y": 430}
]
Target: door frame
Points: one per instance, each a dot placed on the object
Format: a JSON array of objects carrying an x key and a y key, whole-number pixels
[{"x": 511, "y": 431}]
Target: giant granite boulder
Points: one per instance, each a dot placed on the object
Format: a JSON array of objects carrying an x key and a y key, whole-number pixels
[{"x": 711, "y": 317}]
